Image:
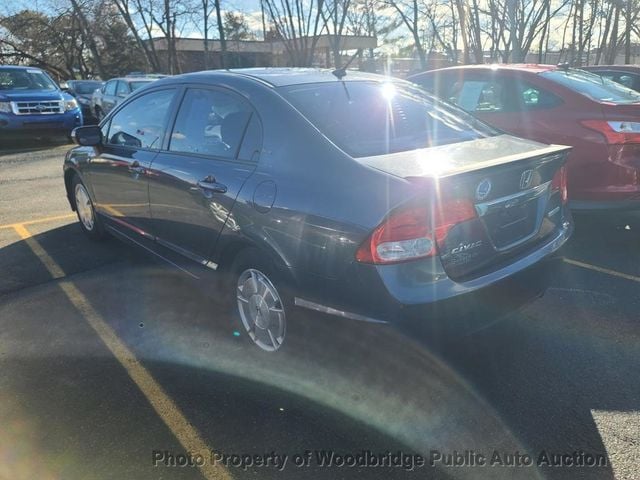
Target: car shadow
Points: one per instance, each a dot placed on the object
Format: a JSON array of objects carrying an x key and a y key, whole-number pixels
[
  {"x": 10, "y": 146},
  {"x": 536, "y": 382}
]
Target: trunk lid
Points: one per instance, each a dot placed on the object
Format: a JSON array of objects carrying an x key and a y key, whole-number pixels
[
  {"x": 612, "y": 112},
  {"x": 507, "y": 179}
]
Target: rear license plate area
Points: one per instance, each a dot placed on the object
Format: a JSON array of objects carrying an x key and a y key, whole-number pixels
[{"x": 512, "y": 224}]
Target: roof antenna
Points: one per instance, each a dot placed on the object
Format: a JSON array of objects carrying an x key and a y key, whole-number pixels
[{"x": 341, "y": 72}]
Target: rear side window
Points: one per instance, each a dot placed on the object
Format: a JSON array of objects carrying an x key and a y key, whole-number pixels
[
  {"x": 252, "y": 141},
  {"x": 142, "y": 122},
  {"x": 531, "y": 97},
  {"x": 110, "y": 88},
  {"x": 123, "y": 89},
  {"x": 596, "y": 87},
  {"x": 210, "y": 122},
  {"x": 370, "y": 118}
]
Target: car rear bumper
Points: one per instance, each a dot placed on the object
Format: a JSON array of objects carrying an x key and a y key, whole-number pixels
[{"x": 395, "y": 293}]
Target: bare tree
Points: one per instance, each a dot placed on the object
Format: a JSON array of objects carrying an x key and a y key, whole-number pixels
[
  {"x": 410, "y": 13},
  {"x": 297, "y": 23},
  {"x": 334, "y": 16}
]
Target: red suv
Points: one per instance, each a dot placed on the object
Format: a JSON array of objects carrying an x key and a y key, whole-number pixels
[{"x": 599, "y": 118}]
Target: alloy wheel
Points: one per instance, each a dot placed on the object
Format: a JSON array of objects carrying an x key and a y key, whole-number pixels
[
  {"x": 261, "y": 310},
  {"x": 84, "y": 207}
]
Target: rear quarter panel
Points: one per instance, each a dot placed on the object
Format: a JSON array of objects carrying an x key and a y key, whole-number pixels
[{"x": 324, "y": 202}]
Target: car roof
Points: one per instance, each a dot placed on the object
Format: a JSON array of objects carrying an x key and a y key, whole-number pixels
[
  {"x": 522, "y": 67},
  {"x": 19, "y": 67},
  {"x": 630, "y": 68},
  {"x": 279, "y": 77},
  {"x": 130, "y": 79},
  {"x": 275, "y": 77}
]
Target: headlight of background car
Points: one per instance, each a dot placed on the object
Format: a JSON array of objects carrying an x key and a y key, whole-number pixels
[
  {"x": 71, "y": 104},
  {"x": 83, "y": 101},
  {"x": 5, "y": 107}
]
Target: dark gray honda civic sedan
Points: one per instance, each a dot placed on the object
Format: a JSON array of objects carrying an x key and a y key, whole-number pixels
[{"x": 351, "y": 194}]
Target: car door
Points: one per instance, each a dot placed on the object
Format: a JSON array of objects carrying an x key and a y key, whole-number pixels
[
  {"x": 194, "y": 182},
  {"x": 118, "y": 173}
]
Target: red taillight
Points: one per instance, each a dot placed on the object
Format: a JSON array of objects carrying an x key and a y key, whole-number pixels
[
  {"x": 615, "y": 132},
  {"x": 449, "y": 215},
  {"x": 411, "y": 233},
  {"x": 559, "y": 183}
]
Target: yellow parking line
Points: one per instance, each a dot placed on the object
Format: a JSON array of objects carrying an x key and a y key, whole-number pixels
[
  {"x": 40, "y": 220},
  {"x": 595, "y": 268},
  {"x": 54, "y": 269},
  {"x": 164, "y": 406}
]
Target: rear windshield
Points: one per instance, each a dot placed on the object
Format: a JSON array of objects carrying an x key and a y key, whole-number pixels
[
  {"x": 593, "y": 86},
  {"x": 367, "y": 119},
  {"x": 27, "y": 79},
  {"x": 86, "y": 87},
  {"x": 137, "y": 85}
]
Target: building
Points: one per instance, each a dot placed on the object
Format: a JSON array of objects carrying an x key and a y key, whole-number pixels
[{"x": 254, "y": 53}]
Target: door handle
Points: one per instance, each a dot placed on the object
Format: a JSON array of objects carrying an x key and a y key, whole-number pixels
[
  {"x": 209, "y": 184},
  {"x": 136, "y": 168}
]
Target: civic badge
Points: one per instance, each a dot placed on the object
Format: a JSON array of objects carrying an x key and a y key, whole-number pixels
[
  {"x": 483, "y": 189},
  {"x": 525, "y": 179}
]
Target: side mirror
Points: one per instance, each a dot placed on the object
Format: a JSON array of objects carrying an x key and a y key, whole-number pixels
[{"x": 88, "y": 136}]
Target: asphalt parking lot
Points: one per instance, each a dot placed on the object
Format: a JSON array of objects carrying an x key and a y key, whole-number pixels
[{"x": 115, "y": 366}]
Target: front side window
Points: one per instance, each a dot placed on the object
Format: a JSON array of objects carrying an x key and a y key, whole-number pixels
[
  {"x": 142, "y": 122},
  {"x": 626, "y": 79},
  {"x": 478, "y": 95},
  {"x": 27, "y": 79},
  {"x": 85, "y": 88},
  {"x": 210, "y": 122},
  {"x": 595, "y": 87},
  {"x": 369, "y": 118}
]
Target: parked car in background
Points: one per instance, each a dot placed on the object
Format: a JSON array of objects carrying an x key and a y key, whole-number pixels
[
  {"x": 627, "y": 75},
  {"x": 114, "y": 91},
  {"x": 599, "y": 118},
  {"x": 350, "y": 194},
  {"x": 82, "y": 91},
  {"x": 32, "y": 105}
]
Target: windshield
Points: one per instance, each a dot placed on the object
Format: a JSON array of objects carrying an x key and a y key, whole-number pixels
[
  {"x": 367, "y": 119},
  {"x": 85, "y": 87},
  {"x": 27, "y": 79},
  {"x": 137, "y": 85},
  {"x": 593, "y": 86}
]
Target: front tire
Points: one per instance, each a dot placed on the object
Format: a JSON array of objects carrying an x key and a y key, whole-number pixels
[
  {"x": 260, "y": 304},
  {"x": 89, "y": 221}
]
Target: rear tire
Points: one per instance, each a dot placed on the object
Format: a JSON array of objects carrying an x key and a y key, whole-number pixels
[
  {"x": 260, "y": 305},
  {"x": 90, "y": 222}
]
